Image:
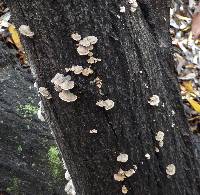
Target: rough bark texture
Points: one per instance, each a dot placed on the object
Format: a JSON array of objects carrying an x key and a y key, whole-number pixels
[
  {"x": 136, "y": 63},
  {"x": 25, "y": 165}
]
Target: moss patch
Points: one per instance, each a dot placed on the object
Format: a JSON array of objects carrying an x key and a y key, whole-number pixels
[{"x": 55, "y": 163}]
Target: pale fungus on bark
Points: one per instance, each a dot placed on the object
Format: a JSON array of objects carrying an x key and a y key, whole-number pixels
[
  {"x": 67, "y": 96},
  {"x": 129, "y": 173},
  {"x": 25, "y": 30},
  {"x": 147, "y": 156},
  {"x": 44, "y": 92},
  {"x": 82, "y": 51},
  {"x": 64, "y": 82},
  {"x": 133, "y": 4},
  {"x": 76, "y": 37},
  {"x": 120, "y": 176},
  {"x": 122, "y": 157},
  {"x": 160, "y": 137},
  {"x": 93, "y": 60},
  {"x": 93, "y": 131},
  {"x": 124, "y": 189},
  {"x": 122, "y": 9},
  {"x": 157, "y": 149},
  {"x": 87, "y": 71},
  {"x": 154, "y": 100},
  {"x": 170, "y": 169},
  {"x": 75, "y": 69},
  {"x": 107, "y": 104}
]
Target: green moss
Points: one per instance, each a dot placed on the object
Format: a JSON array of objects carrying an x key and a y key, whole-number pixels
[
  {"x": 27, "y": 109},
  {"x": 55, "y": 162},
  {"x": 14, "y": 185}
]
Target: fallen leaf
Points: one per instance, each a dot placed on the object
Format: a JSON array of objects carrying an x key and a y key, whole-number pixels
[
  {"x": 194, "y": 104},
  {"x": 15, "y": 37}
]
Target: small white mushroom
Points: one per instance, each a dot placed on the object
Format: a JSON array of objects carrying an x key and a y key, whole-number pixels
[
  {"x": 147, "y": 156},
  {"x": 87, "y": 71},
  {"x": 122, "y": 9},
  {"x": 25, "y": 30},
  {"x": 85, "y": 42},
  {"x": 122, "y": 158},
  {"x": 120, "y": 176},
  {"x": 154, "y": 100},
  {"x": 77, "y": 69},
  {"x": 107, "y": 104},
  {"x": 124, "y": 189},
  {"x": 159, "y": 136},
  {"x": 92, "y": 39},
  {"x": 76, "y": 37},
  {"x": 66, "y": 85},
  {"x": 129, "y": 173},
  {"x": 157, "y": 149},
  {"x": 44, "y": 92},
  {"x": 170, "y": 169},
  {"x": 58, "y": 79},
  {"x": 67, "y": 96},
  {"x": 93, "y": 131},
  {"x": 93, "y": 60}
]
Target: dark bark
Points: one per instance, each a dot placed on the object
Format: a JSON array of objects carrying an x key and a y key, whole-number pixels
[
  {"x": 25, "y": 166},
  {"x": 136, "y": 42}
]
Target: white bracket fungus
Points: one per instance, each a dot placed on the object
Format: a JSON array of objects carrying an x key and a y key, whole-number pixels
[
  {"x": 107, "y": 104},
  {"x": 129, "y": 173},
  {"x": 93, "y": 131},
  {"x": 171, "y": 169},
  {"x": 44, "y": 92},
  {"x": 25, "y": 30},
  {"x": 159, "y": 136},
  {"x": 124, "y": 189},
  {"x": 76, "y": 37},
  {"x": 122, "y": 9},
  {"x": 63, "y": 82},
  {"x": 87, "y": 71},
  {"x": 93, "y": 60},
  {"x": 122, "y": 157},
  {"x": 67, "y": 96},
  {"x": 154, "y": 100},
  {"x": 120, "y": 176},
  {"x": 147, "y": 156}
]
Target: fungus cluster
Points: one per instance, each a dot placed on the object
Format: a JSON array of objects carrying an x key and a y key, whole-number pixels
[
  {"x": 80, "y": 70},
  {"x": 121, "y": 175},
  {"x": 63, "y": 84},
  {"x": 85, "y": 47}
]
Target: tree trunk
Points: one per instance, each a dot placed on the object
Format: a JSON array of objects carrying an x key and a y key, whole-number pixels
[
  {"x": 137, "y": 63},
  {"x": 26, "y": 144}
]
